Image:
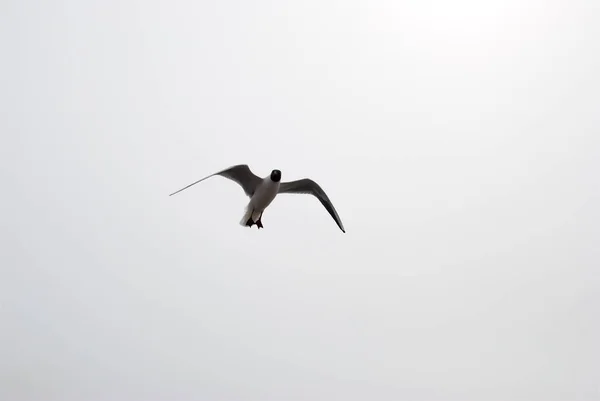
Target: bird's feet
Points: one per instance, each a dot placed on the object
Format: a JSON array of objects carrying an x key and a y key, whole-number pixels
[{"x": 259, "y": 224}]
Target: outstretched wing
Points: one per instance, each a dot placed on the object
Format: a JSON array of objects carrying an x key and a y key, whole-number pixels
[
  {"x": 240, "y": 174},
  {"x": 308, "y": 186}
]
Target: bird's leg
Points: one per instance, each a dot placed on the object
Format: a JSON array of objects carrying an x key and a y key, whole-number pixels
[
  {"x": 259, "y": 222},
  {"x": 249, "y": 223}
]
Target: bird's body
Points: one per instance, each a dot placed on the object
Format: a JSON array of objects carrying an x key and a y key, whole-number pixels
[
  {"x": 263, "y": 196},
  {"x": 262, "y": 192}
]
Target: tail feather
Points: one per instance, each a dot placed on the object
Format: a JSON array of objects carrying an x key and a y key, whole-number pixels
[{"x": 247, "y": 217}]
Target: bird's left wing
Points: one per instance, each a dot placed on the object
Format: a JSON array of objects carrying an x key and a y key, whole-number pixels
[
  {"x": 308, "y": 186},
  {"x": 241, "y": 174}
]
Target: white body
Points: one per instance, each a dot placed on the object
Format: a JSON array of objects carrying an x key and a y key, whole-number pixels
[{"x": 263, "y": 196}]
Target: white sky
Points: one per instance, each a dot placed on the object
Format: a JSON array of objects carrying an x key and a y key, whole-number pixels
[{"x": 459, "y": 142}]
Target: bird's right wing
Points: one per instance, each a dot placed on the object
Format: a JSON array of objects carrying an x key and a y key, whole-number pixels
[
  {"x": 308, "y": 186},
  {"x": 240, "y": 174}
]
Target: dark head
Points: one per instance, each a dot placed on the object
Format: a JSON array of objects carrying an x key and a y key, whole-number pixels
[{"x": 275, "y": 175}]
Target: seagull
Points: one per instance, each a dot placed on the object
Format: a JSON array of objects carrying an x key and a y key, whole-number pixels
[{"x": 262, "y": 191}]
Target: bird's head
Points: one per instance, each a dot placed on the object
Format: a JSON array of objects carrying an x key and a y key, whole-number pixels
[{"x": 275, "y": 175}]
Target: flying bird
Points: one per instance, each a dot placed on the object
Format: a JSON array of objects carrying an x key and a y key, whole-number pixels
[{"x": 262, "y": 191}]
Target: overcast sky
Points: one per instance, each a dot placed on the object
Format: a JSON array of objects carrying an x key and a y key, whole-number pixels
[{"x": 458, "y": 140}]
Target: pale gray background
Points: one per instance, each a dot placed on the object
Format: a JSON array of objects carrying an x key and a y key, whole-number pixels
[{"x": 458, "y": 140}]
